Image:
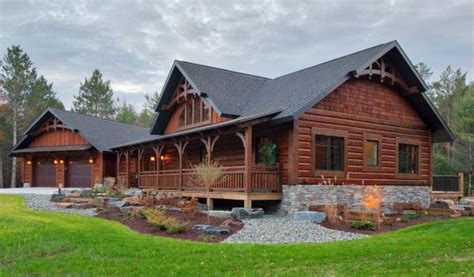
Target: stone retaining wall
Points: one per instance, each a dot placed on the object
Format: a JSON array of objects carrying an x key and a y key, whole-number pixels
[{"x": 300, "y": 197}]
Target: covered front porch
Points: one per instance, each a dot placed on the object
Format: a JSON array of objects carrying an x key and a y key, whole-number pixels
[{"x": 167, "y": 165}]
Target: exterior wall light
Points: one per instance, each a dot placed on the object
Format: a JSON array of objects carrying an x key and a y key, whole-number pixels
[
  {"x": 28, "y": 162},
  {"x": 162, "y": 157},
  {"x": 152, "y": 158},
  {"x": 91, "y": 161},
  {"x": 55, "y": 161},
  {"x": 61, "y": 161}
]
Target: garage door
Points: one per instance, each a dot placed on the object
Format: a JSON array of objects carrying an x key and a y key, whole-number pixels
[
  {"x": 78, "y": 173},
  {"x": 44, "y": 173}
]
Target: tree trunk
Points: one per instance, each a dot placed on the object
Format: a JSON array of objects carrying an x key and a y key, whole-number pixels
[
  {"x": 1, "y": 170},
  {"x": 471, "y": 169},
  {"x": 15, "y": 127}
]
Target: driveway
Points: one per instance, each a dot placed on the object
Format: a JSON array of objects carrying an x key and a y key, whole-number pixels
[{"x": 43, "y": 191}]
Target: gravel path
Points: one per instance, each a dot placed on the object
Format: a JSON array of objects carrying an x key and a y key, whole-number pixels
[
  {"x": 283, "y": 229},
  {"x": 42, "y": 202}
]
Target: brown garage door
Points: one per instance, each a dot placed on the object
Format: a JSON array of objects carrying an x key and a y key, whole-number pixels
[
  {"x": 44, "y": 173},
  {"x": 78, "y": 173}
]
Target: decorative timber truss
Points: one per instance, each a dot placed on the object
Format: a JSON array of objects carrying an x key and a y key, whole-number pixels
[{"x": 386, "y": 72}]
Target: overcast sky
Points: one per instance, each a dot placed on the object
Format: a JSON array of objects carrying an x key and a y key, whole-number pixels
[{"x": 135, "y": 43}]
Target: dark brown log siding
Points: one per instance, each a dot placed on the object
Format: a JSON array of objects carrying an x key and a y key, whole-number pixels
[{"x": 361, "y": 108}]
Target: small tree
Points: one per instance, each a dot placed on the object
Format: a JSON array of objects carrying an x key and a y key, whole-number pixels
[{"x": 207, "y": 174}]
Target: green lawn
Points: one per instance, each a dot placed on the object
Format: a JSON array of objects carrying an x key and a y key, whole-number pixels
[{"x": 46, "y": 243}]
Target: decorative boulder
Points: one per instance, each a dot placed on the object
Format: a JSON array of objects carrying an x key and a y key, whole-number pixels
[
  {"x": 132, "y": 201},
  {"x": 221, "y": 214},
  {"x": 211, "y": 229},
  {"x": 317, "y": 217},
  {"x": 117, "y": 204},
  {"x": 86, "y": 193},
  {"x": 64, "y": 205},
  {"x": 131, "y": 192},
  {"x": 73, "y": 195},
  {"x": 57, "y": 197},
  {"x": 246, "y": 213},
  {"x": 442, "y": 204}
]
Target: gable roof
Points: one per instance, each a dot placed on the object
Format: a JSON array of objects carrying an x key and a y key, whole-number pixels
[
  {"x": 240, "y": 95},
  {"x": 102, "y": 134}
]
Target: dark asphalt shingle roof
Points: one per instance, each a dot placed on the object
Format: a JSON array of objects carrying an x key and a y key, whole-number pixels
[
  {"x": 102, "y": 134},
  {"x": 241, "y": 95}
]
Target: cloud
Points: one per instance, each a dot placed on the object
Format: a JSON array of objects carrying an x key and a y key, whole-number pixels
[{"x": 134, "y": 43}]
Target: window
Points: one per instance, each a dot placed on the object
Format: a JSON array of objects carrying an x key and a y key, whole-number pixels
[
  {"x": 371, "y": 155},
  {"x": 408, "y": 158},
  {"x": 329, "y": 153},
  {"x": 194, "y": 111}
]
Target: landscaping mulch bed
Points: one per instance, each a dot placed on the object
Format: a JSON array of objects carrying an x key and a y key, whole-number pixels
[
  {"x": 384, "y": 227},
  {"x": 140, "y": 225}
]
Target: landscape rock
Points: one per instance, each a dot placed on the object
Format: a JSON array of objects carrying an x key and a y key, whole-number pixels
[
  {"x": 118, "y": 204},
  {"x": 168, "y": 208},
  {"x": 86, "y": 193},
  {"x": 131, "y": 192},
  {"x": 246, "y": 213},
  {"x": 211, "y": 229},
  {"x": 58, "y": 197},
  {"x": 467, "y": 201},
  {"x": 221, "y": 214},
  {"x": 132, "y": 201},
  {"x": 64, "y": 205},
  {"x": 43, "y": 202},
  {"x": 229, "y": 223},
  {"x": 73, "y": 195},
  {"x": 95, "y": 201},
  {"x": 317, "y": 217},
  {"x": 442, "y": 204}
]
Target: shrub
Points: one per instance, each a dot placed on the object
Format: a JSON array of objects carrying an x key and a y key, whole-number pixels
[
  {"x": 363, "y": 225},
  {"x": 163, "y": 222},
  {"x": 410, "y": 217},
  {"x": 331, "y": 213}
]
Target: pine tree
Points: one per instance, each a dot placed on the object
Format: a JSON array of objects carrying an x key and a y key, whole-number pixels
[
  {"x": 17, "y": 77},
  {"x": 95, "y": 97},
  {"x": 148, "y": 113},
  {"x": 41, "y": 97},
  {"x": 126, "y": 114}
]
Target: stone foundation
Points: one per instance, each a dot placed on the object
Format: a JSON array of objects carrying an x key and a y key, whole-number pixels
[{"x": 300, "y": 197}]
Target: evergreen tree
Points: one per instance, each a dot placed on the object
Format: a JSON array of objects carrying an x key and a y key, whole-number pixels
[
  {"x": 126, "y": 114},
  {"x": 41, "y": 97},
  {"x": 95, "y": 97},
  {"x": 145, "y": 119},
  {"x": 17, "y": 77}
]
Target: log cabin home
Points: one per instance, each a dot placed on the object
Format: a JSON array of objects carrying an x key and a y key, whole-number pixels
[
  {"x": 65, "y": 149},
  {"x": 361, "y": 120}
]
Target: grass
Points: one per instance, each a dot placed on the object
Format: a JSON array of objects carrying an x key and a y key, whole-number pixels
[{"x": 47, "y": 243}]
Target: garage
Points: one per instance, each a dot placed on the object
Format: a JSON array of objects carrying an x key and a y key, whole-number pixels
[
  {"x": 78, "y": 173},
  {"x": 44, "y": 173}
]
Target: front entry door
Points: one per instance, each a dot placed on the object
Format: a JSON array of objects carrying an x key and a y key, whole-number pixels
[{"x": 79, "y": 173}]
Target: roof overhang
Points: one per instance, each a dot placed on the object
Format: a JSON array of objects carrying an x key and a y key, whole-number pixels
[
  {"x": 250, "y": 120},
  {"x": 50, "y": 149}
]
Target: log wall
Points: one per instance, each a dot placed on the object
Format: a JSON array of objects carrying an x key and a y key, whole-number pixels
[{"x": 360, "y": 108}]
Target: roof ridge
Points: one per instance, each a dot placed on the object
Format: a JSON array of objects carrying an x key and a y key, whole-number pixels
[
  {"x": 228, "y": 70},
  {"x": 335, "y": 59},
  {"x": 97, "y": 118}
]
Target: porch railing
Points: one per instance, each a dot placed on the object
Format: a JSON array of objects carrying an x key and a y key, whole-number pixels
[{"x": 263, "y": 179}]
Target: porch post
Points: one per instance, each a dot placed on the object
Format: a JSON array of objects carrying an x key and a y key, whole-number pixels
[
  {"x": 158, "y": 151},
  {"x": 248, "y": 159},
  {"x": 181, "y": 148},
  {"x": 127, "y": 167},
  {"x": 117, "y": 170},
  {"x": 139, "y": 157}
]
